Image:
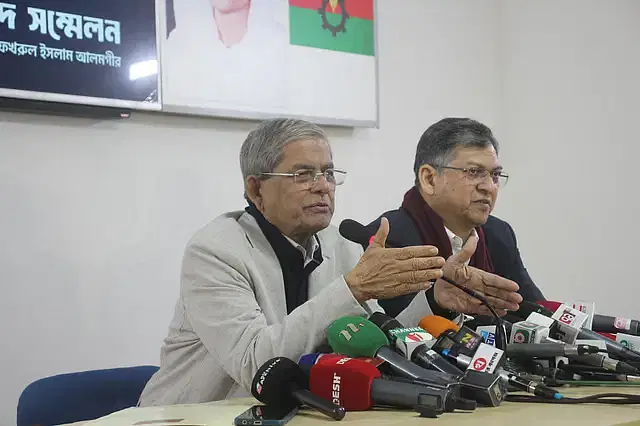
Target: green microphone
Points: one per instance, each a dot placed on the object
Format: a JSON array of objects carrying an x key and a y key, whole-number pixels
[{"x": 358, "y": 337}]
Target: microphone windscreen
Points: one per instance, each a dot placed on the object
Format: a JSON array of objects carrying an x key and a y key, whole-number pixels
[
  {"x": 345, "y": 381},
  {"x": 271, "y": 384},
  {"x": 309, "y": 359},
  {"x": 356, "y": 232},
  {"x": 385, "y": 322},
  {"x": 355, "y": 336},
  {"x": 436, "y": 325}
]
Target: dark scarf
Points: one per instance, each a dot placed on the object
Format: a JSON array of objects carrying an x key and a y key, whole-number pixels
[
  {"x": 431, "y": 229},
  {"x": 294, "y": 273}
]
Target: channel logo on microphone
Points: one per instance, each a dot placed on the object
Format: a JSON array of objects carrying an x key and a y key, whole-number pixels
[{"x": 488, "y": 337}]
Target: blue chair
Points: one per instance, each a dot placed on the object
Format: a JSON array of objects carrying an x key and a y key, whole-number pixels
[{"x": 87, "y": 395}]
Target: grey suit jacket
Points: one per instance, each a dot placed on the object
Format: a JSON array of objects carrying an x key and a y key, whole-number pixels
[{"x": 231, "y": 315}]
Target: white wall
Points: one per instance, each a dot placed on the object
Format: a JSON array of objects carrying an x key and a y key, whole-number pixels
[
  {"x": 95, "y": 215},
  {"x": 571, "y": 104}
]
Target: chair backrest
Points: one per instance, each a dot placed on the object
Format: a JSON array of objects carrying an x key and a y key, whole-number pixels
[{"x": 86, "y": 395}]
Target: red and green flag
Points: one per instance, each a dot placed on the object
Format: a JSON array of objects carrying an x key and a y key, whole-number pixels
[{"x": 340, "y": 25}]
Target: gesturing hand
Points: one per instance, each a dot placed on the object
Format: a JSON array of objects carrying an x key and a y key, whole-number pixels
[
  {"x": 383, "y": 273},
  {"x": 499, "y": 292}
]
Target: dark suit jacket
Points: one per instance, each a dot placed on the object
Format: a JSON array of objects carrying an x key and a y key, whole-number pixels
[{"x": 501, "y": 245}]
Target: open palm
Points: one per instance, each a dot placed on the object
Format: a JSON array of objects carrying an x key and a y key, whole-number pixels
[{"x": 499, "y": 292}]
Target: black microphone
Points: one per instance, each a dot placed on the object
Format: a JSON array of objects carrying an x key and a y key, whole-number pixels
[
  {"x": 607, "y": 324},
  {"x": 281, "y": 382},
  {"x": 358, "y": 233},
  {"x": 548, "y": 350},
  {"x": 599, "y": 360}
]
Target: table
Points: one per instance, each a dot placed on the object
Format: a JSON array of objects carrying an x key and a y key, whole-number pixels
[{"x": 222, "y": 413}]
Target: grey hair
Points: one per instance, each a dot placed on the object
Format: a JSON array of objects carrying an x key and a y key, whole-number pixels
[
  {"x": 438, "y": 144},
  {"x": 263, "y": 149}
]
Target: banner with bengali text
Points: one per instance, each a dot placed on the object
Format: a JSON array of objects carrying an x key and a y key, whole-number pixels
[{"x": 105, "y": 50}]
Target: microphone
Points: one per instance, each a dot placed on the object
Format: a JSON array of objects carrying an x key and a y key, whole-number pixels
[
  {"x": 465, "y": 343},
  {"x": 308, "y": 360},
  {"x": 412, "y": 345},
  {"x": 548, "y": 350},
  {"x": 358, "y": 233},
  {"x": 356, "y": 336},
  {"x": 605, "y": 323},
  {"x": 614, "y": 348},
  {"x": 484, "y": 388},
  {"x": 448, "y": 334},
  {"x": 281, "y": 382},
  {"x": 486, "y": 358},
  {"x": 628, "y": 341},
  {"x": 599, "y": 360},
  {"x": 357, "y": 386},
  {"x": 527, "y": 332},
  {"x": 485, "y": 327}
]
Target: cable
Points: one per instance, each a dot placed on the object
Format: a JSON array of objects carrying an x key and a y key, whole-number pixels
[
  {"x": 501, "y": 335},
  {"x": 602, "y": 398},
  {"x": 592, "y": 383}
]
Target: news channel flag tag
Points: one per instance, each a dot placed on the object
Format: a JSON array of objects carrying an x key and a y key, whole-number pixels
[
  {"x": 588, "y": 308},
  {"x": 570, "y": 321},
  {"x": 628, "y": 341},
  {"x": 528, "y": 332},
  {"x": 488, "y": 334},
  {"x": 486, "y": 359},
  {"x": 408, "y": 341}
]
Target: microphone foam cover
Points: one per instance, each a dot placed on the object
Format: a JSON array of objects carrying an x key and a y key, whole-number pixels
[
  {"x": 385, "y": 322},
  {"x": 345, "y": 381},
  {"x": 436, "y": 325},
  {"x": 271, "y": 383},
  {"x": 356, "y": 336},
  {"x": 309, "y": 359},
  {"x": 355, "y": 232}
]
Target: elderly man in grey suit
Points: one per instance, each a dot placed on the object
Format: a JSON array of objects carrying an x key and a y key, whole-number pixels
[{"x": 268, "y": 281}]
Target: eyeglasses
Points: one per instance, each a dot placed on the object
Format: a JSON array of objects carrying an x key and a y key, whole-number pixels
[
  {"x": 309, "y": 178},
  {"x": 478, "y": 174}
]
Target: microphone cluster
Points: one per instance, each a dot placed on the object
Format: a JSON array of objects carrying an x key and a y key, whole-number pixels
[
  {"x": 559, "y": 344},
  {"x": 439, "y": 367},
  {"x": 434, "y": 368}
]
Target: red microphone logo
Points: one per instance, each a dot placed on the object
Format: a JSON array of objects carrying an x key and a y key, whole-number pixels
[
  {"x": 415, "y": 337},
  {"x": 567, "y": 317},
  {"x": 480, "y": 364}
]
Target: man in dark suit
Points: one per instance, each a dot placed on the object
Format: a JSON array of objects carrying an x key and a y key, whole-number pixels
[{"x": 457, "y": 178}]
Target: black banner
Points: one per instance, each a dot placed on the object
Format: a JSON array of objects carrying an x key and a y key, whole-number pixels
[{"x": 97, "y": 48}]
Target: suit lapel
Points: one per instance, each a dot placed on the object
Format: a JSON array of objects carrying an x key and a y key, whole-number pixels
[{"x": 267, "y": 266}]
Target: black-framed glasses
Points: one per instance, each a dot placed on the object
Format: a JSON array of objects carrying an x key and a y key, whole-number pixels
[
  {"x": 478, "y": 174},
  {"x": 308, "y": 177}
]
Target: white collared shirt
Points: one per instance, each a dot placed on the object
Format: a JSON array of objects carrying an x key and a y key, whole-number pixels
[
  {"x": 456, "y": 246},
  {"x": 307, "y": 252},
  {"x": 456, "y": 242}
]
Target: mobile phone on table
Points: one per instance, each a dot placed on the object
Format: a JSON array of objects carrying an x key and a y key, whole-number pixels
[{"x": 266, "y": 416}]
